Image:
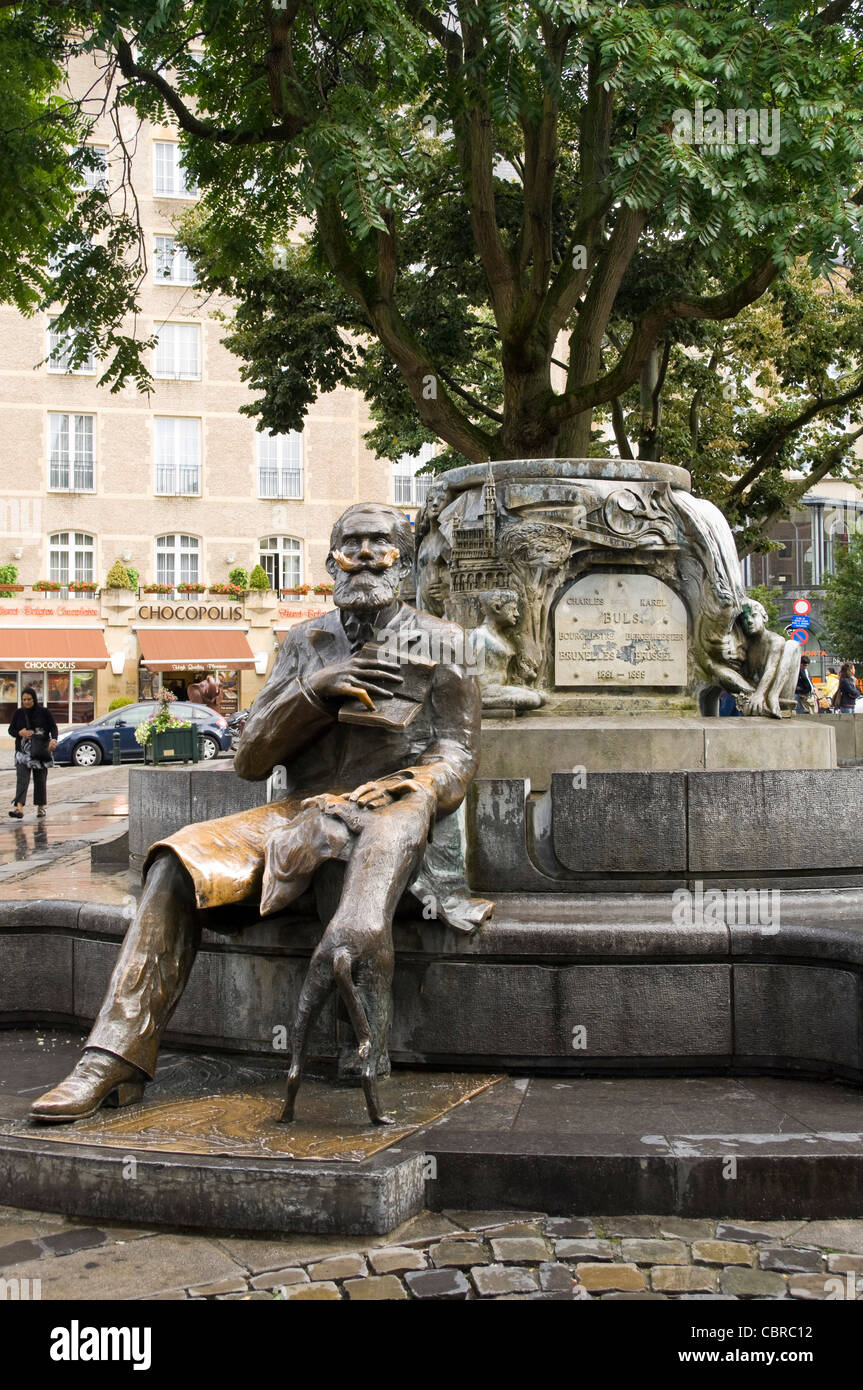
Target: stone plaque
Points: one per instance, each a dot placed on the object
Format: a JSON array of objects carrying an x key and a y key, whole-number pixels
[{"x": 620, "y": 630}]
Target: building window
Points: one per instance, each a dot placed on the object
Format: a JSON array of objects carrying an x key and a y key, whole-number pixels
[
  {"x": 408, "y": 489},
  {"x": 171, "y": 264},
  {"x": 282, "y": 558},
  {"x": 178, "y": 560},
  {"x": 178, "y": 352},
  {"x": 55, "y": 262},
  {"x": 280, "y": 465},
  {"x": 60, "y": 354},
  {"x": 70, "y": 556},
  {"x": 97, "y": 175},
  {"x": 70, "y": 443},
  {"x": 169, "y": 177},
  {"x": 177, "y": 444}
]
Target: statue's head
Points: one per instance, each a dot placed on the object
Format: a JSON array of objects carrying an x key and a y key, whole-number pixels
[
  {"x": 436, "y": 499},
  {"x": 371, "y": 552},
  {"x": 501, "y": 605},
  {"x": 753, "y": 616}
]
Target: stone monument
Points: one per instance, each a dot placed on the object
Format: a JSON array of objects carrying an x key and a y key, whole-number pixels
[{"x": 624, "y": 582}]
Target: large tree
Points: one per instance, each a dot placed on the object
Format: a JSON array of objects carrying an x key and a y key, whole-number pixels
[{"x": 484, "y": 188}]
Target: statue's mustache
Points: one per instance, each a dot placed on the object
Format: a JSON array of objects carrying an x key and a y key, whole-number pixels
[{"x": 376, "y": 566}]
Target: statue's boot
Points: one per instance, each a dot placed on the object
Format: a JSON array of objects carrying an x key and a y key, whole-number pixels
[{"x": 99, "y": 1078}]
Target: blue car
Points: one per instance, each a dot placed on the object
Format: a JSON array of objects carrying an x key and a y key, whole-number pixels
[{"x": 91, "y": 744}]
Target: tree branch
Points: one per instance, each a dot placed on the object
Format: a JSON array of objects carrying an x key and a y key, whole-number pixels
[
  {"x": 646, "y": 332},
  {"x": 594, "y": 143},
  {"x": 436, "y": 408},
  {"x": 832, "y": 460},
  {"x": 619, "y": 423},
  {"x": 474, "y": 127},
  {"x": 189, "y": 122},
  {"x": 769, "y": 456}
]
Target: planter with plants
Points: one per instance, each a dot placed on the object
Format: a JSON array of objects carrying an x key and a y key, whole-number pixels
[
  {"x": 167, "y": 739},
  {"x": 121, "y": 583},
  {"x": 8, "y": 587},
  {"x": 297, "y": 591},
  {"x": 259, "y": 580},
  {"x": 230, "y": 590},
  {"x": 158, "y": 589},
  {"x": 48, "y": 586},
  {"x": 82, "y": 586},
  {"x": 323, "y": 589},
  {"x": 191, "y": 588}
]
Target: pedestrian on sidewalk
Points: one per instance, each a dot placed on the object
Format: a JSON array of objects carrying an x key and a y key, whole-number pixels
[
  {"x": 35, "y": 733},
  {"x": 807, "y": 702},
  {"x": 847, "y": 693}
]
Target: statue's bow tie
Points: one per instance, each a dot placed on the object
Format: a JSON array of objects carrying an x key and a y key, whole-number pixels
[{"x": 359, "y": 629}]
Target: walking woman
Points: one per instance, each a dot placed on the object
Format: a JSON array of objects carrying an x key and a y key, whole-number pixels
[
  {"x": 847, "y": 694},
  {"x": 35, "y": 734}
]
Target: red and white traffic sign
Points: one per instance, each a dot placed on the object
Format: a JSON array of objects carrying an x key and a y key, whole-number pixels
[
  {"x": 798, "y": 635},
  {"x": 801, "y": 606}
]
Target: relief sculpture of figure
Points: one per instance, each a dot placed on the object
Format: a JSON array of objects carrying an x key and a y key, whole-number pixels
[
  {"x": 368, "y": 775},
  {"x": 760, "y": 667},
  {"x": 434, "y": 553},
  {"x": 496, "y": 654}
]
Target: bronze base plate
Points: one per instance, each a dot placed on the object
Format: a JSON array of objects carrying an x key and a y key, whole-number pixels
[{"x": 331, "y": 1122}]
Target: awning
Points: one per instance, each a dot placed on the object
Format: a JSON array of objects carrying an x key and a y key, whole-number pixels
[
  {"x": 181, "y": 649},
  {"x": 53, "y": 649}
]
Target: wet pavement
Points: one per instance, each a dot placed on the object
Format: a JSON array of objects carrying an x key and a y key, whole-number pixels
[
  {"x": 74, "y": 878},
  {"x": 50, "y": 857}
]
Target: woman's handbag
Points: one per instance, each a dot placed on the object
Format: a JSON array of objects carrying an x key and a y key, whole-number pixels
[{"x": 38, "y": 747}]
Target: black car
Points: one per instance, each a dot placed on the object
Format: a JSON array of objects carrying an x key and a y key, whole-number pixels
[{"x": 87, "y": 745}]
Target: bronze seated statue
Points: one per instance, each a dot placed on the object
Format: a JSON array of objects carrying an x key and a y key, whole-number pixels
[{"x": 376, "y": 754}]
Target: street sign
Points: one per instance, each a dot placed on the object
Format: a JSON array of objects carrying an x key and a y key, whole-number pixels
[
  {"x": 800, "y": 621},
  {"x": 798, "y": 635},
  {"x": 801, "y": 605}
]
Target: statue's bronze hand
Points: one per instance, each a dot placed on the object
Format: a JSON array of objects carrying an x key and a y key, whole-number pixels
[
  {"x": 355, "y": 678},
  {"x": 384, "y": 791}
]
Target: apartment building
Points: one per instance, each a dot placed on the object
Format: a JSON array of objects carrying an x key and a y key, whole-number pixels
[{"x": 178, "y": 484}]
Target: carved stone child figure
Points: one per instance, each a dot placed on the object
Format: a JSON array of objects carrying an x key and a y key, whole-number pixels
[
  {"x": 760, "y": 666},
  {"x": 496, "y": 655}
]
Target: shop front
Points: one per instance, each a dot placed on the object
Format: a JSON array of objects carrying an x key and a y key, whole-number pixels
[
  {"x": 199, "y": 664},
  {"x": 60, "y": 664}
]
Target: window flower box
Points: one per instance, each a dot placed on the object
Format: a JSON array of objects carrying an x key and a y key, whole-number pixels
[
  {"x": 231, "y": 590},
  {"x": 82, "y": 586},
  {"x": 48, "y": 586},
  {"x": 323, "y": 589},
  {"x": 7, "y": 590},
  {"x": 297, "y": 591},
  {"x": 190, "y": 588},
  {"x": 158, "y": 589}
]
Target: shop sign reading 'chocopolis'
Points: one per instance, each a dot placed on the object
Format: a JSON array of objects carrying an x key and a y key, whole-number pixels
[{"x": 190, "y": 612}]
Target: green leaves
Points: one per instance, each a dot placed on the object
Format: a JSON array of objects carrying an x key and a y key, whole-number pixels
[
  {"x": 442, "y": 249},
  {"x": 843, "y": 601}
]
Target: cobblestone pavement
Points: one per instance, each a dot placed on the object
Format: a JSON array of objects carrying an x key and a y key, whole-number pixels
[{"x": 453, "y": 1255}]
